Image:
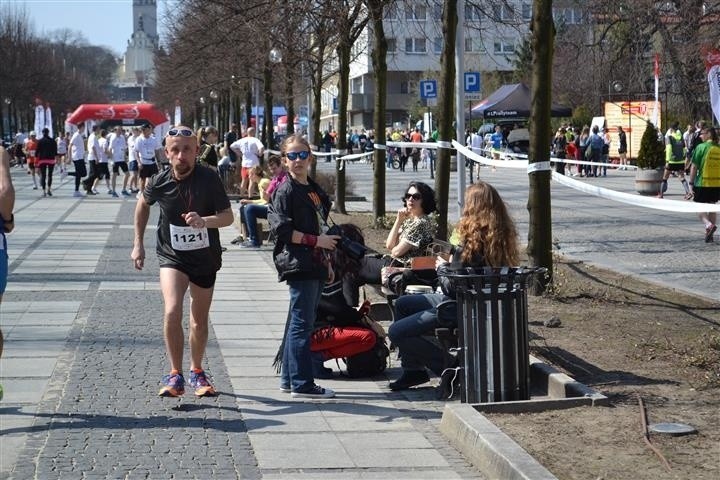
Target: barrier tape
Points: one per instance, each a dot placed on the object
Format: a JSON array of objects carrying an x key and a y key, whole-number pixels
[
  {"x": 469, "y": 154},
  {"x": 379, "y": 146},
  {"x": 432, "y": 145},
  {"x": 538, "y": 167},
  {"x": 638, "y": 200}
]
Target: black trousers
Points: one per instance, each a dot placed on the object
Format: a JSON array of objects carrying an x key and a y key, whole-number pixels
[{"x": 46, "y": 173}]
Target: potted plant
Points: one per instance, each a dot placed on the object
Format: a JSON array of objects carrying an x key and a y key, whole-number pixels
[{"x": 650, "y": 162}]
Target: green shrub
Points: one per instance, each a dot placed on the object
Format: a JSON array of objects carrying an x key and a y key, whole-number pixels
[{"x": 652, "y": 150}]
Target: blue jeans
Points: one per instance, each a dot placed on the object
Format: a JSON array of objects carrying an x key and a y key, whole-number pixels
[
  {"x": 296, "y": 370},
  {"x": 418, "y": 317},
  {"x": 252, "y": 213}
]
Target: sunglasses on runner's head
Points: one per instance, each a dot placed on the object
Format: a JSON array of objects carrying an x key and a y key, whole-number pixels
[
  {"x": 180, "y": 132},
  {"x": 292, "y": 156},
  {"x": 414, "y": 196}
]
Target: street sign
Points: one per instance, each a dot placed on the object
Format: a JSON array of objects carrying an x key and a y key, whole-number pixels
[
  {"x": 473, "y": 85},
  {"x": 428, "y": 89}
]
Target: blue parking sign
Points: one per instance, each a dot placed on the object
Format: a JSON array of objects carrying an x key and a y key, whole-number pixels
[
  {"x": 428, "y": 89},
  {"x": 472, "y": 82}
]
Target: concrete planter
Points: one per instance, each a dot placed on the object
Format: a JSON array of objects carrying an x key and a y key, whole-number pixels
[{"x": 648, "y": 181}]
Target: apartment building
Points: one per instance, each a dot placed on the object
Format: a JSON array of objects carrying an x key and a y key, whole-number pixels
[{"x": 493, "y": 31}]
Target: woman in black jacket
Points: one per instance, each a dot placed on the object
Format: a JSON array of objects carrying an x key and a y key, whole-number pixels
[{"x": 298, "y": 217}]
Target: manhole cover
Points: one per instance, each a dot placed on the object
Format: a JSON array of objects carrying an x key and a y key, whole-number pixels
[{"x": 672, "y": 428}]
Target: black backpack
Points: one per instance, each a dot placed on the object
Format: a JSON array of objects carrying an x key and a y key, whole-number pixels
[{"x": 370, "y": 362}]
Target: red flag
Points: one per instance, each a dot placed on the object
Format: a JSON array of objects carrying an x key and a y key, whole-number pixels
[{"x": 657, "y": 65}]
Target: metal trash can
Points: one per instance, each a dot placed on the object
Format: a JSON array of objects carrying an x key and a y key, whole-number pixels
[{"x": 493, "y": 333}]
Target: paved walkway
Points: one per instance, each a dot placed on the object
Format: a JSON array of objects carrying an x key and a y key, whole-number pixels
[{"x": 84, "y": 354}]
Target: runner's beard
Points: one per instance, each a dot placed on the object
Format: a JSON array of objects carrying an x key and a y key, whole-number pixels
[{"x": 182, "y": 170}]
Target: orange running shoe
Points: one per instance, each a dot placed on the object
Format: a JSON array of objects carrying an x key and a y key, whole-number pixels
[{"x": 173, "y": 385}]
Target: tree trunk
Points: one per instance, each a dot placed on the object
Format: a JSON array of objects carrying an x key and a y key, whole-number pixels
[
  {"x": 317, "y": 84},
  {"x": 248, "y": 107},
  {"x": 379, "y": 62},
  {"x": 343, "y": 51},
  {"x": 290, "y": 104},
  {"x": 539, "y": 246},
  {"x": 447, "y": 115}
]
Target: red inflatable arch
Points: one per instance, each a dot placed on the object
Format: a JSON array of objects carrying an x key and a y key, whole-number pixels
[{"x": 132, "y": 113}]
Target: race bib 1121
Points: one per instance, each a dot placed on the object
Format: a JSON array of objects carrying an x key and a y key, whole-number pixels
[{"x": 188, "y": 238}]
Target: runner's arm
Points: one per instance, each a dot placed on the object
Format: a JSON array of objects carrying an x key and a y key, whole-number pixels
[
  {"x": 221, "y": 219},
  {"x": 142, "y": 214},
  {"x": 7, "y": 192}
]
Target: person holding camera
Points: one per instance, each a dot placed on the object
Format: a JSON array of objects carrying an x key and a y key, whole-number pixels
[
  {"x": 340, "y": 330},
  {"x": 298, "y": 217},
  {"x": 487, "y": 237}
]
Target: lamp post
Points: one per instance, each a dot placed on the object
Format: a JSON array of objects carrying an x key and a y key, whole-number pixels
[
  {"x": 203, "y": 112},
  {"x": 274, "y": 57},
  {"x": 214, "y": 106},
  {"x": 614, "y": 87},
  {"x": 7, "y": 102}
]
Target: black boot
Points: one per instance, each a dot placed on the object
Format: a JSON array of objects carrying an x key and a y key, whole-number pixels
[{"x": 409, "y": 378}]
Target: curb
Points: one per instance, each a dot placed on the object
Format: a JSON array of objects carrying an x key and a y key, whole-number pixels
[
  {"x": 493, "y": 452},
  {"x": 487, "y": 447}
]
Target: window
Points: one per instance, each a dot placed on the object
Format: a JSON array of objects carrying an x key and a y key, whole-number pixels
[
  {"x": 404, "y": 87},
  {"x": 391, "y": 12},
  {"x": 418, "y": 13},
  {"x": 526, "y": 11},
  {"x": 474, "y": 45},
  {"x": 503, "y": 13},
  {"x": 391, "y": 45},
  {"x": 415, "y": 45},
  {"x": 472, "y": 13},
  {"x": 437, "y": 11},
  {"x": 503, "y": 46},
  {"x": 437, "y": 45},
  {"x": 568, "y": 16}
]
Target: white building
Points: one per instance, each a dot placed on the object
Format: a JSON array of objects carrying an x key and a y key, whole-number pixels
[
  {"x": 138, "y": 65},
  {"x": 415, "y": 41}
]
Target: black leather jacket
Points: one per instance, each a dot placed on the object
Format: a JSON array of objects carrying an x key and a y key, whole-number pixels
[{"x": 291, "y": 209}]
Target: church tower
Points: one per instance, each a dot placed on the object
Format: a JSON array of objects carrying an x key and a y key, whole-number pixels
[
  {"x": 137, "y": 71},
  {"x": 145, "y": 17}
]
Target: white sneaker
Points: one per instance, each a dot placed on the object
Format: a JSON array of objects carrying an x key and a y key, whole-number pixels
[{"x": 316, "y": 392}]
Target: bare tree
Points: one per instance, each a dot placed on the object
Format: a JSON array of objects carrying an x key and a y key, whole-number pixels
[
  {"x": 376, "y": 10},
  {"x": 352, "y": 19},
  {"x": 540, "y": 229},
  {"x": 447, "y": 114}
]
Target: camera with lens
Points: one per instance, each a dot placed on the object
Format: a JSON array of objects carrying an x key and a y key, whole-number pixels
[{"x": 351, "y": 248}]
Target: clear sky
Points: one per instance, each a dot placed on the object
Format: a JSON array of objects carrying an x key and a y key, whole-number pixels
[{"x": 102, "y": 22}]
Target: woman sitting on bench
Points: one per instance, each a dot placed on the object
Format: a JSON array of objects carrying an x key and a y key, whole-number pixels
[
  {"x": 487, "y": 237},
  {"x": 411, "y": 234}
]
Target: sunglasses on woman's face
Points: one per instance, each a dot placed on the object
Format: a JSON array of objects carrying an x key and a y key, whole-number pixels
[
  {"x": 414, "y": 196},
  {"x": 292, "y": 156},
  {"x": 180, "y": 132}
]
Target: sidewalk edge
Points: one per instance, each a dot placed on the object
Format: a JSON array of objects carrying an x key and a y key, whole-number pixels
[{"x": 489, "y": 449}]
